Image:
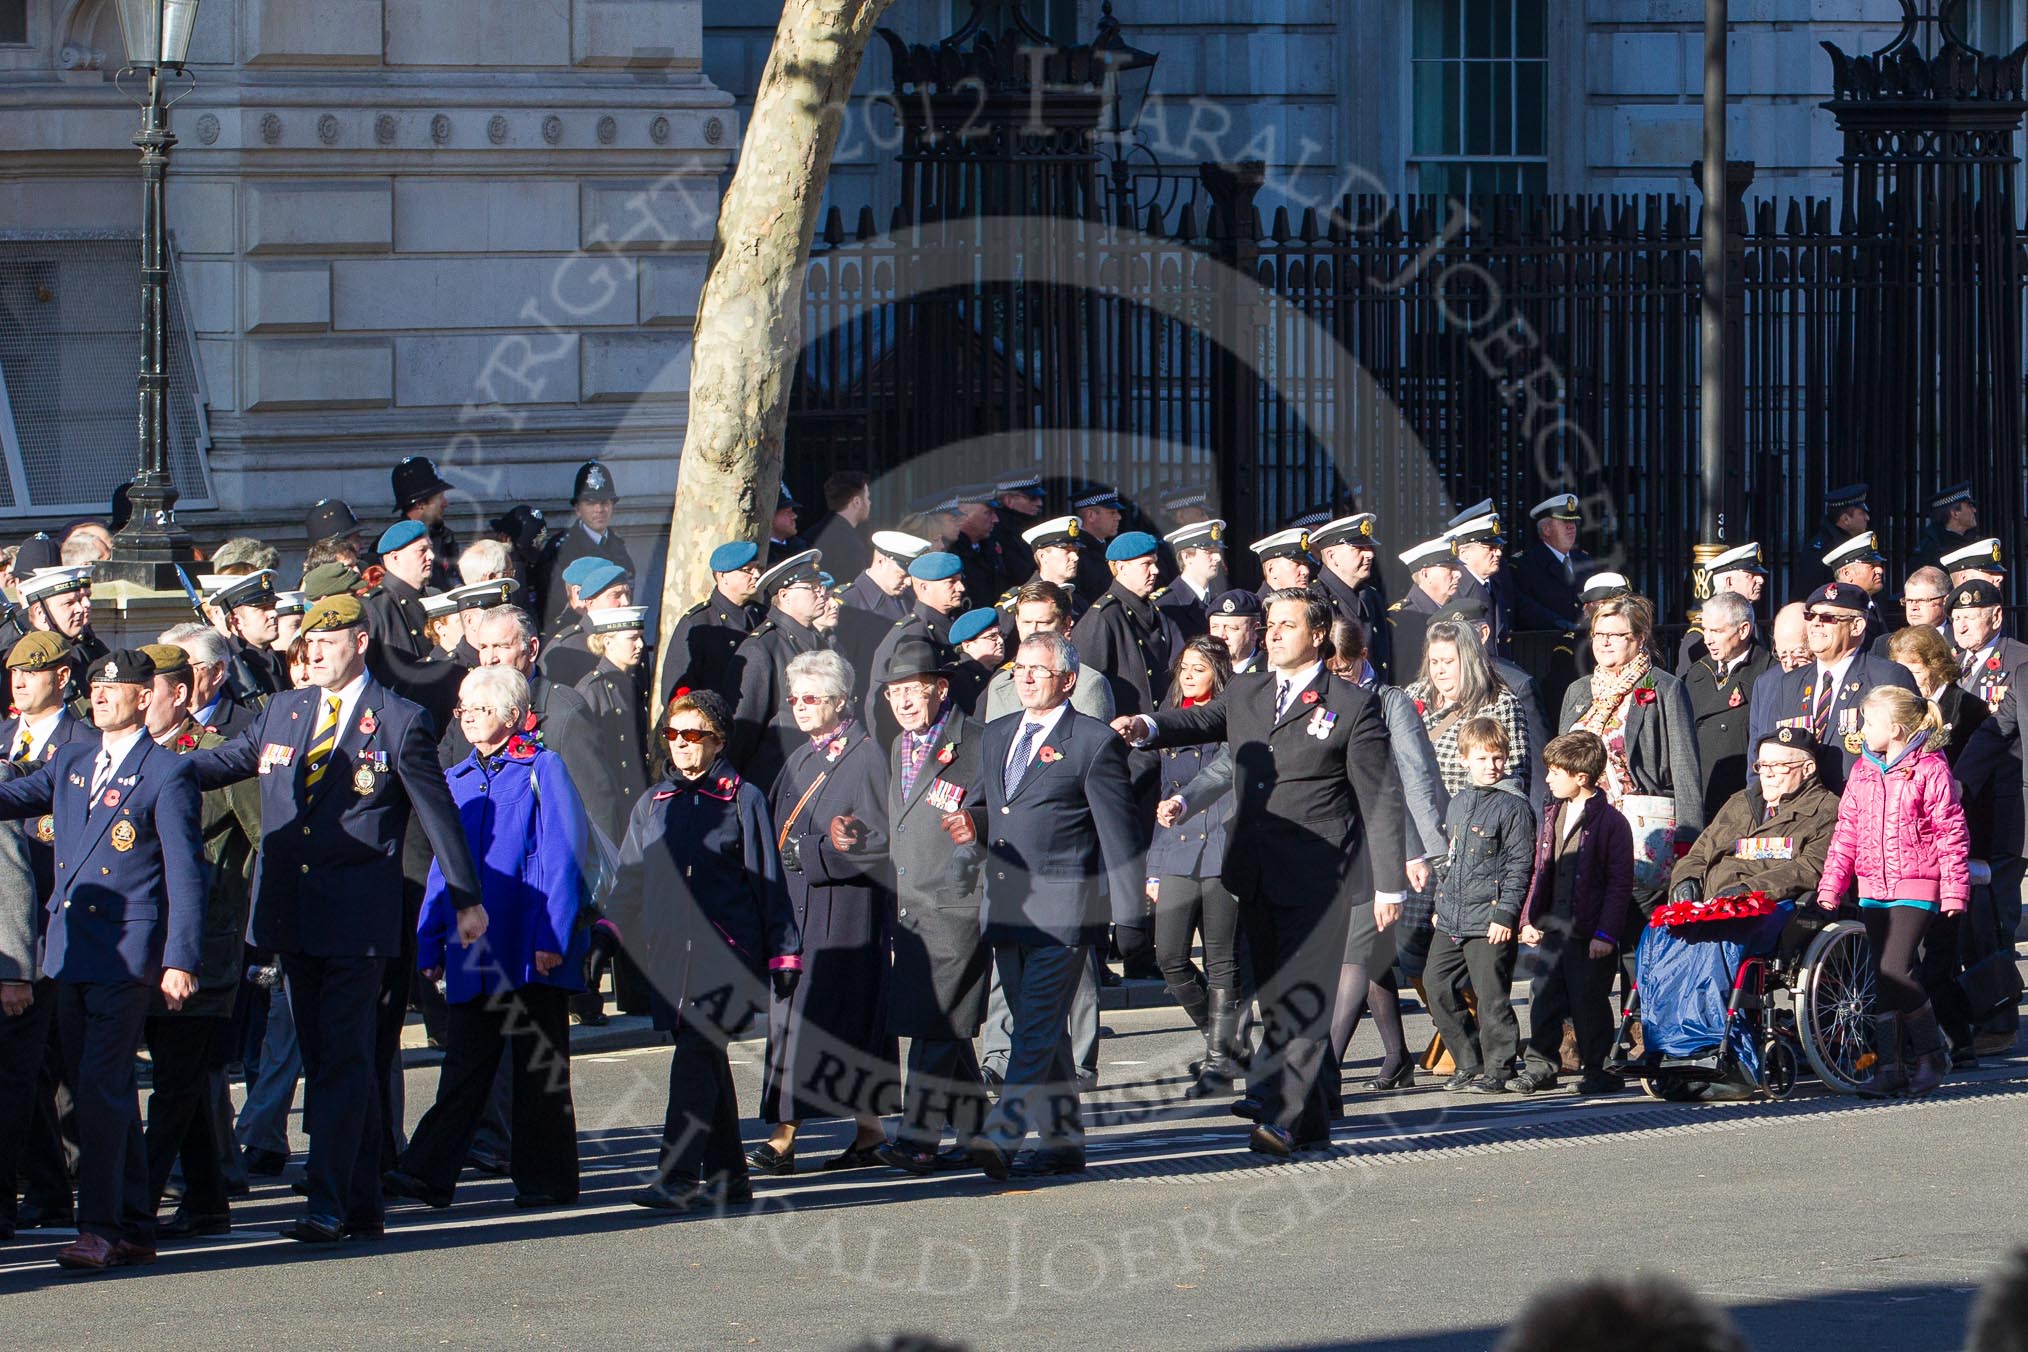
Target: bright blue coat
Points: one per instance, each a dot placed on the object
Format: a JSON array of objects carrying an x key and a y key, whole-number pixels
[{"x": 526, "y": 827}]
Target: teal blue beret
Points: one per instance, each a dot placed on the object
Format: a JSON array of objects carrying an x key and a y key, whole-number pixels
[
  {"x": 1135, "y": 544},
  {"x": 599, "y": 577},
  {"x": 973, "y": 623},
  {"x": 730, "y": 558},
  {"x": 578, "y": 569},
  {"x": 935, "y": 567},
  {"x": 400, "y": 535}
]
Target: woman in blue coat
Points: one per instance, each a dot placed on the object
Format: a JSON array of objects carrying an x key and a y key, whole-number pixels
[
  {"x": 1184, "y": 862},
  {"x": 830, "y": 812},
  {"x": 510, "y": 990},
  {"x": 703, "y": 912}
]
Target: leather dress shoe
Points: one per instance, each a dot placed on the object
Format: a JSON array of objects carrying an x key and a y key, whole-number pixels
[
  {"x": 301, "y": 1187},
  {"x": 401, "y": 1183},
  {"x": 669, "y": 1195},
  {"x": 37, "y": 1215},
  {"x": 954, "y": 1157},
  {"x": 857, "y": 1157},
  {"x": 991, "y": 1159},
  {"x": 183, "y": 1225},
  {"x": 487, "y": 1164},
  {"x": 92, "y": 1253},
  {"x": 908, "y": 1159},
  {"x": 1047, "y": 1163},
  {"x": 314, "y": 1230},
  {"x": 1268, "y": 1139},
  {"x": 365, "y": 1230},
  {"x": 769, "y": 1162},
  {"x": 263, "y": 1163},
  {"x": 130, "y": 1253},
  {"x": 1249, "y": 1108}
]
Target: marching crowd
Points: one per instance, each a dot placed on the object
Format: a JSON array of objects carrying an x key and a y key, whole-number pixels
[{"x": 923, "y": 785}]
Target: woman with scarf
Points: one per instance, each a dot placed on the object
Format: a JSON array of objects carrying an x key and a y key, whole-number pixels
[
  {"x": 830, "y": 813},
  {"x": 1644, "y": 717}
]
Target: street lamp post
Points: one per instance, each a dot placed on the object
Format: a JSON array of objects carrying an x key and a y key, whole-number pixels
[{"x": 151, "y": 544}]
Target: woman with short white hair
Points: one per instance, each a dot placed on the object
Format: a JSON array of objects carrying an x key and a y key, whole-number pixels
[
  {"x": 830, "y": 814},
  {"x": 510, "y": 991}
]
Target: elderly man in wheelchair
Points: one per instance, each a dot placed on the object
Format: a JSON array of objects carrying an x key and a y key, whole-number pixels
[{"x": 1738, "y": 974}]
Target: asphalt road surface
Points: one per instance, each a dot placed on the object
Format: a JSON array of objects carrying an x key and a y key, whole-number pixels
[{"x": 1821, "y": 1222}]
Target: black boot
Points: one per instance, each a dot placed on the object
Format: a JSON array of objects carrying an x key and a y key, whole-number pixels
[
  {"x": 1196, "y": 1003},
  {"x": 1887, "y": 1078},
  {"x": 1929, "y": 1059},
  {"x": 1216, "y": 1077}
]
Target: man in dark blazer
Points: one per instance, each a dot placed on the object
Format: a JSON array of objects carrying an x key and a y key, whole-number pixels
[
  {"x": 1721, "y": 694},
  {"x": 1351, "y": 582},
  {"x": 700, "y": 651},
  {"x": 1126, "y": 635},
  {"x": 1316, "y": 826},
  {"x": 126, "y": 918},
  {"x": 763, "y": 733},
  {"x": 1060, "y": 839},
  {"x": 937, "y": 997},
  {"x": 1825, "y": 695},
  {"x": 1986, "y": 656},
  {"x": 343, "y": 765},
  {"x": 1547, "y": 574},
  {"x": 1434, "y": 569}
]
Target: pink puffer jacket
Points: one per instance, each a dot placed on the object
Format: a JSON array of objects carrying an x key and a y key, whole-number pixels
[{"x": 1901, "y": 835}]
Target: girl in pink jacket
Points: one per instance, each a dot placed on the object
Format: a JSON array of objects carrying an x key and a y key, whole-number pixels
[{"x": 1901, "y": 836}]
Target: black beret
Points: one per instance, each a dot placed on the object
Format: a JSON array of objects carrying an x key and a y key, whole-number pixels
[{"x": 124, "y": 666}]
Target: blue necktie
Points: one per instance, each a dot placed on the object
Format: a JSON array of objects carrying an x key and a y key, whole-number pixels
[{"x": 1018, "y": 766}]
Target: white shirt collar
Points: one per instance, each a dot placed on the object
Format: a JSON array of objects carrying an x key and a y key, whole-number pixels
[
  {"x": 1561, "y": 557},
  {"x": 39, "y": 730},
  {"x": 116, "y": 746},
  {"x": 1834, "y": 673},
  {"x": 1046, "y": 724},
  {"x": 1299, "y": 681},
  {"x": 348, "y": 700},
  {"x": 598, "y": 537}
]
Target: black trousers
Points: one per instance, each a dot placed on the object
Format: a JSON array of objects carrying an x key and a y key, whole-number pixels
[
  {"x": 1296, "y": 953},
  {"x": 31, "y": 1153},
  {"x": 1568, "y": 984},
  {"x": 101, "y": 1029},
  {"x": 1039, "y": 1093},
  {"x": 700, "y": 1127},
  {"x": 1895, "y": 934},
  {"x": 1943, "y": 958},
  {"x": 336, "y": 1001},
  {"x": 180, "y": 1121},
  {"x": 532, "y": 1026},
  {"x": 399, "y": 979},
  {"x": 944, "y": 1088},
  {"x": 1492, "y": 971},
  {"x": 1187, "y": 905}
]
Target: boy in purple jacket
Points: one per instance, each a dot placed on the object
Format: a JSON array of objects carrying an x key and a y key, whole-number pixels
[{"x": 1577, "y": 907}]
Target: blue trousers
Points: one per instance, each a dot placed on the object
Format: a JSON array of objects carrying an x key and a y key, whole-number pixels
[{"x": 1040, "y": 1092}]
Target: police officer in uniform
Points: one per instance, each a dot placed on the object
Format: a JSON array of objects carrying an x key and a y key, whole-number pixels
[
  {"x": 1953, "y": 524},
  {"x": 1845, "y": 515},
  {"x": 1125, "y": 634},
  {"x": 1434, "y": 570},
  {"x": 763, "y": 733},
  {"x": 593, "y": 497},
  {"x": 1481, "y": 575},
  {"x": 1199, "y": 553},
  {"x": 1099, "y": 511},
  {"x": 334, "y": 519},
  {"x": 784, "y": 541},
  {"x": 422, "y": 495},
  {"x": 700, "y": 651},
  {"x": 1018, "y": 501},
  {"x": 1858, "y": 562},
  {"x": 1721, "y": 683},
  {"x": 343, "y": 764},
  {"x": 1285, "y": 562},
  {"x": 1739, "y": 571},
  {"x": 986, "y": 571},
  {"x": 1350, "y": 581}
]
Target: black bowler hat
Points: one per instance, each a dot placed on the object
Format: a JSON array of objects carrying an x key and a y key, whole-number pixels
[
  {"x": 328, "y": 517},
  {"x": 415, "y": 479},
  {"x": 914, "y": 657}
]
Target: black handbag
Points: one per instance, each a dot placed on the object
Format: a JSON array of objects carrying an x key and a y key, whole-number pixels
[{"x": 1991, "y": 984}]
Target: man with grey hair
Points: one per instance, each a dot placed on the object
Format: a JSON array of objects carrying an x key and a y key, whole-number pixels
[
  {"x": 484, "y": 561},
  {"x": 1721, "y": 694},
  {"x": 1058, "y": 837},
  {"x": 244, "y": 554},
  {"x": 212, "y": 703},
  {"x": 1925, "y": 599}
]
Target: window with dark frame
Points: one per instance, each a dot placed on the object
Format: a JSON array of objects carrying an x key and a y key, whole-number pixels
[
  {"x": 1480, "y": 97},
  {"x": 13, "y": 23}
]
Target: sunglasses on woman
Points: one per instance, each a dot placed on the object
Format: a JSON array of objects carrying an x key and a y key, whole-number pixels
[{"x": 689, "y": 736}]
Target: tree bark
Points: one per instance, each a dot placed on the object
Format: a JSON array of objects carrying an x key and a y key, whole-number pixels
[{"x": 749, "y": 317}]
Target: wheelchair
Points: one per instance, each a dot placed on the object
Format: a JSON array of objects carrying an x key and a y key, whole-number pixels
[{"x": 1737, "y": 1009}]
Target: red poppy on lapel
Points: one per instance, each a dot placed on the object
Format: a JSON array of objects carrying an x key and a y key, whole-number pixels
[
  {"x": 1309, "y": 697},
  {"x": 1644, "y": 694},
  {"x": 1993, "y": 662},
  {"x": 112, "y": 798},
  {"x": 1046, "y": 755},
  {"x": 520, "y": 747},
  {"x": 367, "y": 724},
  {"x": 1735, "y": 701},
  {"x": 1421, "y": 708},
  {"x": 185, "y": 742},
  {"x": 944, "y": 756}
]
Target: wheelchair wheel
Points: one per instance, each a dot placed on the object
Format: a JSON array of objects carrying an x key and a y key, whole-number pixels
[
  {"x": 1777, "y": 1069},
  {"x": 1834, "y": 1005}
]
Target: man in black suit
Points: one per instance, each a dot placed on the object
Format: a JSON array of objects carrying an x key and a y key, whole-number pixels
[
  {"x": 1060, "y": 839},
  {"x": 1199, "y": 551},
  {"x": 1845, "y": 515},
  {"x": 1986, "y": 657},
  {"x": 1434, "y": 570},
  {"x": 1316, "y": 826},
  {"x": 343, "y": 764},
  {"x": 840, "y": 536},
  {"x": 1824, "y": 696},
  {"x": 1547, "y": 574},
  {"x": 1721, "y": 692},
  {"x": 1739, "y": 571}
]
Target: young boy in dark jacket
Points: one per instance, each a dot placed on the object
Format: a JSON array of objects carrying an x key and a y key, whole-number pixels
[
  {"x": 1478, "y": 905},
  {"x": 1577, "y": 910}
]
